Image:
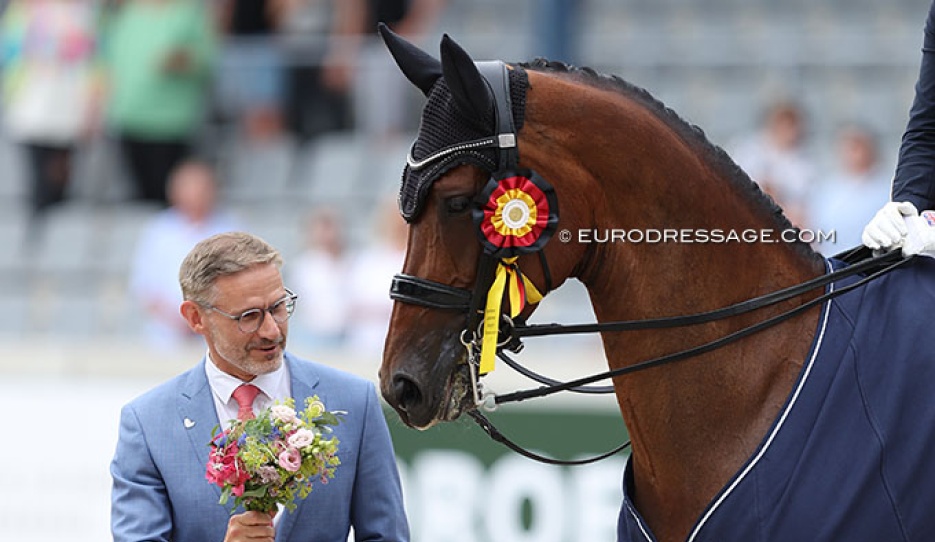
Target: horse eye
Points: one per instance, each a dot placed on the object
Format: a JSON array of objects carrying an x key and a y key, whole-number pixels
[{"x": 457, "y": 205}]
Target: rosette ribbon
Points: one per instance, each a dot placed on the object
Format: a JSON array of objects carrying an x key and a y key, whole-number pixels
[
  {"x": 517, "y": 215},
  {"x": 520, "y": 289}
]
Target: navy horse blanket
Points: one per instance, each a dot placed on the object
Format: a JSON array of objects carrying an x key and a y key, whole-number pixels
[{"x": 851, "y": 456}]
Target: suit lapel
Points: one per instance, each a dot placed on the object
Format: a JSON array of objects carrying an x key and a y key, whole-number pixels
[
  {"x": 197, "y": 414},
  {"x": 303, "y": 380}
]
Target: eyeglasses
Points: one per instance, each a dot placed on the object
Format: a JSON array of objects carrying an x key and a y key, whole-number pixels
[{"x": 250, "y": 320}]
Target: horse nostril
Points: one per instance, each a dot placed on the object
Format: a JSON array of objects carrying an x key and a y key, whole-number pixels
[{"x": 406, "y": 391}]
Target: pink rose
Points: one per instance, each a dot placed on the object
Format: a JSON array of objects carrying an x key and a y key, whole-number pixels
[
  {"x": 301, "y": 438},
  {"x": 290, "y": 459},
  {"x": 283, "y": 413}
]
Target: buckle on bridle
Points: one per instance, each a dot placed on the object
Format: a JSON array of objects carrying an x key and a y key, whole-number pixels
[{"x": 483, "y": 399}]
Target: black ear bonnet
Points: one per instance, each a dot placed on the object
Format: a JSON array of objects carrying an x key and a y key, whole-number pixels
[{"x": 445, "y": 125}]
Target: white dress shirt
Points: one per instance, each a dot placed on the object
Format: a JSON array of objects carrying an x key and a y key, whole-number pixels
[{"x": 274, "y": 386}]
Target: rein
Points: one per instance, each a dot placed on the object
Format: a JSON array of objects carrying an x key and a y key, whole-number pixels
[
  {"x": 552, "y": 386},
  {"x": 743, "y": 307},
  {"x": 890, "y": 261}
]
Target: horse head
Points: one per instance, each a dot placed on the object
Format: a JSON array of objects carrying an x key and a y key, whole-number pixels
[
  {"x": 425, "y": 374},
  {"x": 499, "y": 147}
]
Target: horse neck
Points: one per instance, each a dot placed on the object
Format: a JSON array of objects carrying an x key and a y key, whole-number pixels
[
  {"x": 636, "y": 173},
  {"x": 693, "y": 423}
]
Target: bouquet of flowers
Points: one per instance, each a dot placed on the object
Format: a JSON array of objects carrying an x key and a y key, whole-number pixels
[{"x": 275, "y": 457}]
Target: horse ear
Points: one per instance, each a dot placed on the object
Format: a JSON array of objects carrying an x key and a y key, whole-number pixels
[
  {"x": 467, "y": 85},
  {"x": 419, "y": 67}
]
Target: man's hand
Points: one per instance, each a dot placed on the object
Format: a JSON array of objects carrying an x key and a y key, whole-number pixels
[
  {"x": 887, "y": 229},
  {"x": 250, "y": 526}
]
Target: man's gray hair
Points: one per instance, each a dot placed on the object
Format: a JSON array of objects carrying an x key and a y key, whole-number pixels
[{"x": 221, "y": 255}]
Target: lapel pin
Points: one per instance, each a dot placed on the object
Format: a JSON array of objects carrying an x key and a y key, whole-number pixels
[{"x": 188, "y": 423}]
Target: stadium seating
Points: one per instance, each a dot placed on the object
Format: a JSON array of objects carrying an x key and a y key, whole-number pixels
[{"x": 716, "y": 62}]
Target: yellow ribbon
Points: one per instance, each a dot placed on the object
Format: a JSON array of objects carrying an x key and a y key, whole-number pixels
[{"x": 507, "y": 275}]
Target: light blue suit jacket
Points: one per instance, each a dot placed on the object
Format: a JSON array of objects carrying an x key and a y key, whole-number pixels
[{"x": 159, "y": 488}]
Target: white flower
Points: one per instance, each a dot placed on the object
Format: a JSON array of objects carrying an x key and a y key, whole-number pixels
[
  {"x": 283, "y": 413},
  {"x": 301, "y": 438}
]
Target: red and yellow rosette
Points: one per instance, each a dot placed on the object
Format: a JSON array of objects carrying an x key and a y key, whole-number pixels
[{"x": 518, "y": 215}]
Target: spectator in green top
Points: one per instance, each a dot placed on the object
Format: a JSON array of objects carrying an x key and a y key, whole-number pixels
[{"x": 160, "y": 56}]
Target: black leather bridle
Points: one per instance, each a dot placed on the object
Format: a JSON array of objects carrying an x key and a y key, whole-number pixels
[{"x": 435, "y": 295}]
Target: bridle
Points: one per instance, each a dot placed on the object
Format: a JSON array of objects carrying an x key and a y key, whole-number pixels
[{"x": 435, "y": 295}]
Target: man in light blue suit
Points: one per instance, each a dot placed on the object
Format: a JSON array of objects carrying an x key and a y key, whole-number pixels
[{"x": 235, "y": 298}]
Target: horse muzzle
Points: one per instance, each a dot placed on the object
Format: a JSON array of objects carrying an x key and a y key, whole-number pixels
[{"x": 426, "y": 388}]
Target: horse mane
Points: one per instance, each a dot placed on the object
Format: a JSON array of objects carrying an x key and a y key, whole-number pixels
[{"x": 719, "y": 159}]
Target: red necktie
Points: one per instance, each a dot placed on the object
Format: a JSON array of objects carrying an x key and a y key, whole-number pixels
[{"x": 244, "y": 395}]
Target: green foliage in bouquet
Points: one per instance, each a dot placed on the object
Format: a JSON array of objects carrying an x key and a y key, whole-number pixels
[{"x": 275, "y": 457}]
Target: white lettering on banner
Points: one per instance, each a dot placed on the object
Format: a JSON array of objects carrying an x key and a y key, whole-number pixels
[
  {"x": 451, "y": 497},
  {"x": 513, "y": 480},
  {"x": 597, "y": 493},
  {"x": 446, "y": 487}
]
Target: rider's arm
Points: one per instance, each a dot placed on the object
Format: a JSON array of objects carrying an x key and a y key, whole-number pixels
[
  {"x": 914, "y": 181},
  {"x": 915, "y": 171}
]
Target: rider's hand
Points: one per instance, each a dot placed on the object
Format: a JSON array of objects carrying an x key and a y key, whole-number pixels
[
  {"x": 921, "y": 237},
  {"x": 887, "y": 229}
]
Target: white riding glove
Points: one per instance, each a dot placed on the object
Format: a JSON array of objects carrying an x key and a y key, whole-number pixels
[
  {"x": 921, "y": 238},
  {"x": 887, "y": 229}
]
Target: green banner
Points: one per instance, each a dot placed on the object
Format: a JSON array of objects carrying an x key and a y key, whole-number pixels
[{"x": 461, "y": 486}]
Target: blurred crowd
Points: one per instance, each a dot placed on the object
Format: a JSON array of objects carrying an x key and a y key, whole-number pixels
[
  {"x": 838, "y": 199},
  {"x": 152, "y": 73},
  {"x": 153, "y": 76}
]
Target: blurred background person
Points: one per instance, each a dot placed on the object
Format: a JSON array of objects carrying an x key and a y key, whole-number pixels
[
  {"x": 561, "y": 32},
  {"x": 50, "y": 88},
  {"x": 193, "y": 215},
  {"x": 251, "y": 82},
  {"x": 319, "y": 275},
  {"x": 370, "y": 277},
  {"x": 311, "y": 108},
  {"x": 159, "y": 55},
  {"x": 848, "y": 198},
  {"x": 776, "y": 157},
  {"x": 357, "y": 62}
]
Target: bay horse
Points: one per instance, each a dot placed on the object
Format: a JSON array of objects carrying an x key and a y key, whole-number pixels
[{"x": 816, "y": 428}]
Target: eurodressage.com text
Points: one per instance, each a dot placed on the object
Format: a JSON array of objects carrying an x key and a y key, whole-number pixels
[{"x": 697, "y": 235}]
